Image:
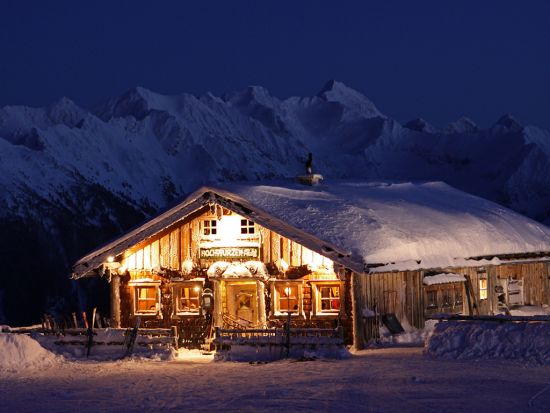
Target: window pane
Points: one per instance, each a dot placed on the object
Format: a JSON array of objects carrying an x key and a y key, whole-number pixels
[
  {"x": 447, "y": 298},
  {"x": 247, "y": 226},
  {"x": 288, "y": 298},
  {"x": 329, "y": 298},
  {"x": 187, "y": 298},
  {"x": 146, "y": 299},
  {"x": 432, "y": 299},
  {"x": 458, "y": 296},
  {"x": 483, "y": 289}
]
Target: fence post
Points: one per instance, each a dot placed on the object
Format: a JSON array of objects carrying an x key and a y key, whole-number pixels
[
  {"x": 287, "y": 331},
  {"x": 175, "y": 334}
]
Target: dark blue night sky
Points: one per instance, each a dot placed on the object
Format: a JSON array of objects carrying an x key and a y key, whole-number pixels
[{"x": 434, "y": 59}]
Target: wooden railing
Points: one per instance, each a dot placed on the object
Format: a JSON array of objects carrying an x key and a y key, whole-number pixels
[
  {"x": 279, "y": 336},
  {"x": 237, "y": 322},
  {"x": 152, "y": 337}
]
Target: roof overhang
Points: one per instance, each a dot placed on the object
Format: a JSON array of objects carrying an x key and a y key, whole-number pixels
[{"x": 203, "y": 197}]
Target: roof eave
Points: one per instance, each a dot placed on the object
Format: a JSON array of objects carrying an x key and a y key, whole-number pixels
[{"x": 197, "y": 200}]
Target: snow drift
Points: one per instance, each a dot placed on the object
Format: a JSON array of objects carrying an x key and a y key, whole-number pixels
[
  {"x": 524, "y": 342},
  {"x": 19, "y": 351}
]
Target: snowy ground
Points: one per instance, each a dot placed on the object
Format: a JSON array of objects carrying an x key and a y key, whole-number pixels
[{"x": 383, "y": 380}]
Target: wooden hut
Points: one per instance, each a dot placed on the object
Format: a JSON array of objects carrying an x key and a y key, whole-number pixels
[{"x": 339, "y": 254}]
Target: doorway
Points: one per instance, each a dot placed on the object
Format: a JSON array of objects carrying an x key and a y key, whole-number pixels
[{"x": 242, "y": 303}]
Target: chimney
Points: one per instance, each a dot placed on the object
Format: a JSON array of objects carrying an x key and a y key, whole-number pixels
[{"x": 309, "y": 178}]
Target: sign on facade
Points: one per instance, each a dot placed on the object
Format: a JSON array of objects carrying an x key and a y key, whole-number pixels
[{"x": 230, "y": 253}]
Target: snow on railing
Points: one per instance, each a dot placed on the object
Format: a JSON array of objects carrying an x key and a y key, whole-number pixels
[
  {"x": 149, "y": 337},
  {"x": 279, "y": 336}
]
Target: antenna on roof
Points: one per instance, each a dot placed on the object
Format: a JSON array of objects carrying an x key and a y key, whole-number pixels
[{"x": 309, "y": 178}]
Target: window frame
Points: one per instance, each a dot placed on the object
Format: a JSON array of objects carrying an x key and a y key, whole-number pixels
[
  {"x": 179, "y": 286},
  {"x": 483, "y": 291},
  {"x": 276, "y": 297},
  {"x": 432, "y": 304},
  {"x": 212, "y": 227},
  {"x": 439, "y": 292},
  {"x": 317, "y": 303},
  {"x": 249, "y": 228},
  {"x": 150, "y": 284}
]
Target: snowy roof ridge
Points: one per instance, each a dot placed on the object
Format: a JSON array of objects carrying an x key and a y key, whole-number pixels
[
  {"x": 359, "y": 224},
  {"x": 198, "y": 199}
]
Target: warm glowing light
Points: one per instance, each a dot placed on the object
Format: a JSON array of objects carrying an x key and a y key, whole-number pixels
[
  {"x": 197, "y": 289},
  {"x": 288, "y": 290},
  {"x": 482, "y": 288},
  {"x": 110, "y": 258}
]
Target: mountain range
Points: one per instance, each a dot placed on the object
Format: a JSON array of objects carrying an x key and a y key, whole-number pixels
[{"x": 73, "y": 177}]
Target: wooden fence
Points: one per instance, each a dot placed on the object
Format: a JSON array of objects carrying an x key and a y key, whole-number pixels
[{"x": 279, "y": 336}]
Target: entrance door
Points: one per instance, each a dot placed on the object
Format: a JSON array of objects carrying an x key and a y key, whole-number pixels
[{"x": 241, "y": 302}]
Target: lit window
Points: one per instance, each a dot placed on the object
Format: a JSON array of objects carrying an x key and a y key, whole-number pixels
[
  {"x": 328, "y": 298},
  {"x": 287, "y": 296},
  {"x": 483, "y": 288},
  {"x": 209, "y": 227},
  {"x": 187, "y": 298},
  {"x": 247, "y": 226},
  {"x": 146, "y": 300}
]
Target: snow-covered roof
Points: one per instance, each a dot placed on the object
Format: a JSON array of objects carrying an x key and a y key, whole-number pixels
[
  {"x": 443, "y": 278},
  {"x": 398, "y": 225}
]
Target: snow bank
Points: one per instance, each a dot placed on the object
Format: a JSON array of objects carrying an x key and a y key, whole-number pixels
[
  {"x": 525, "y": 342},
  {"x": 410, "y": 337},
  {"x": 529, "y": 310},
  {"x": 19, "y": 351}
]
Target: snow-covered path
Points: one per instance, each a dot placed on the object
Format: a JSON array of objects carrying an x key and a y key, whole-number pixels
[{"x": 388, "y": 380}]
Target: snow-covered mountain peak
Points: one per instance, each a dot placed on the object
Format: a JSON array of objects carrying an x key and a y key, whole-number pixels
[
  {"x": 131, "y": 103},
  {"x": 461, "y": 125},
  {"x": 351, "y": 99},
  {"x": 250, "y": 96},
  {"x": 65, "y": 111},
  {"x": 136, "y": 102},
  {"x": 420, "y": 125},
  {"x": 509, "y": 122}
]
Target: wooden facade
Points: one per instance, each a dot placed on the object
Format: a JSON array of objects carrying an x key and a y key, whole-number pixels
[
  {"x": 164, "y": 279},
  {"x": 494, "y": 290},
  {"x": 207, "y": 264}
]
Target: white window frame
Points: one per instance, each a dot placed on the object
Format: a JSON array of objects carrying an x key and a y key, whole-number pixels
[
  {"x": 210, "y": 227},
  {"x": 248, "y": 226},
  {"x": 316, "y": 296},
  {"x": 276, "y": 297}
]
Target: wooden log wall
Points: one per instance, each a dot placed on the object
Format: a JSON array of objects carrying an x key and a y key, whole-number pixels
[
  {"x": 180, "y": 242},
  {"x": 399, "y": 292},
  {"x": 536, "y": 281},
  {"x": 402, "y": 292}
]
